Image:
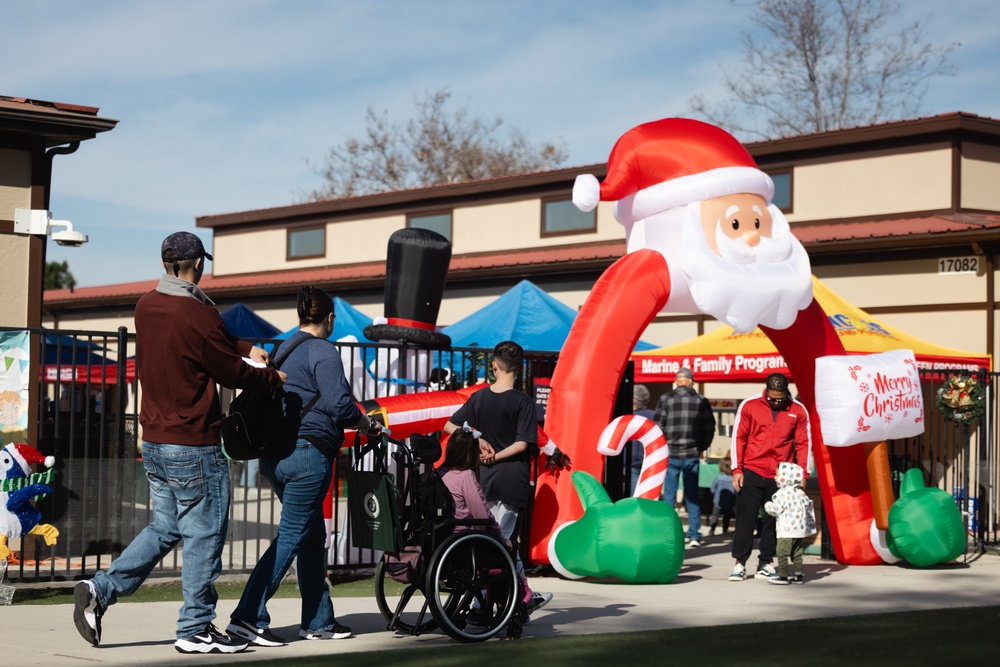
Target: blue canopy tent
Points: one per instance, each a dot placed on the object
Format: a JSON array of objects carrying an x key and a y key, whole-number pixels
[
  {"x": 244, "y": 323},
  {"x": 525, "y": 314},
  {"x": 349, "y": 321},
  {"x": 70, "y": 350}
]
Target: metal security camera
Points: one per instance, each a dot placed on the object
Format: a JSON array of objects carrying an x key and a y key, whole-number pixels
[
  {"x": 68, "y": 237},
  {"x": 40, "y": 222}
]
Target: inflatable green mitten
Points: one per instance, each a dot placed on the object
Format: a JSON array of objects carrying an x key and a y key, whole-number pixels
[
  {"x": 925, "y": 524},
  {"x": 635, "y": 539}
]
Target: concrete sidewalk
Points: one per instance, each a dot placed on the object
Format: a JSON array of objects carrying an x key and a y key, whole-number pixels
[{"x": 143, "y": 633}]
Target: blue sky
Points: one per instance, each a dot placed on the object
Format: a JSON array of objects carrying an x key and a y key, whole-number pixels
[{"x": 221, "y": 103}]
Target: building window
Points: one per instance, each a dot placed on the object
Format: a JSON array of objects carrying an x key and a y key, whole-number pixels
[
  {"x": 305, "y": 243},
  {"x": 560, "y": 216},
  {"x": 782, "y": 190},
  {"x": 436, "y": 222}
]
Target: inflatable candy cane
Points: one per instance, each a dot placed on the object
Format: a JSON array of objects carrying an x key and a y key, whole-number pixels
[
  {"x": 654, "y": 446},
  {"x": 637, "y": 539}
]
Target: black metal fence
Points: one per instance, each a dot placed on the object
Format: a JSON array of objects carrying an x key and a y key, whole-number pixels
[
  {"x": 88, "y": 398},
  {"x": 959, "y": 458},
  {"x": 87, "y": 404}
]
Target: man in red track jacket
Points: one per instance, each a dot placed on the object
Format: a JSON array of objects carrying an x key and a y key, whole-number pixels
[{"x": 769, "y": 429}]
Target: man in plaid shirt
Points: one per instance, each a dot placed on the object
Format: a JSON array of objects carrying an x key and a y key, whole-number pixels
[{"x": 686, "y": 419}]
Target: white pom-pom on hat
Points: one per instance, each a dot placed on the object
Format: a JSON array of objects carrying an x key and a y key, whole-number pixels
[
  {"x": 586, "y": 192},
  {"x": 50, "y": 461}
]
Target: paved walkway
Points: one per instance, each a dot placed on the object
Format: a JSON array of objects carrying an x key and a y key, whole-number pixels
[{"x": 143, "y": 633}]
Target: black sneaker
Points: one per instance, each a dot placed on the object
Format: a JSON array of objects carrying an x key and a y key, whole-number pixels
[
  {"x": 210, "y": 640},
  {"x": 796, "y": 579},
  {"x": 259, "y": 636},
  {"x": 87, "y": 612},
  {"x": 335, "y": 631},
  {"x": 478, "y": 618}
]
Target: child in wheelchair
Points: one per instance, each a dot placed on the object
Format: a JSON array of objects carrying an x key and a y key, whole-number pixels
[{"x": 460, "y": 473}]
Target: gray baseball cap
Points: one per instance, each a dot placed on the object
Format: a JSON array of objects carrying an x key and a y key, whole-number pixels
[
  {"x": 684, "y": 374},
  {"x": 182, "y": 245}
]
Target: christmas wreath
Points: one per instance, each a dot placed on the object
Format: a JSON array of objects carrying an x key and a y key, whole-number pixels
[{"x": 961, "y": 399}]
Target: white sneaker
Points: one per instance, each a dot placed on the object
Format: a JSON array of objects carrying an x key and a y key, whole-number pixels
[
  {"x": 210, "y": 640},
  {"x": 739, "y": 572},
  {"x": 765, "y": 571},
  {"x": 538, "y": 600},
  {"x": 336, "y": 631},
  {"x": 694, "y": 544},
  {"x": 87, "y": 612},
  {"x": 259, "y": 636}
]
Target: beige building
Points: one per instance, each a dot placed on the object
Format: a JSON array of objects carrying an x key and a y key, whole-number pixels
[
  {"x": 902, "y": 219},
  {"x": 32, "y": 134}
]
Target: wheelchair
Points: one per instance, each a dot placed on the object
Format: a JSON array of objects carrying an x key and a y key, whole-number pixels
[{"x": 458, "y": 579}]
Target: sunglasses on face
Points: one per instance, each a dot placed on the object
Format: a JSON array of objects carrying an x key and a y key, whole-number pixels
[{"x": 780, "y": 400}]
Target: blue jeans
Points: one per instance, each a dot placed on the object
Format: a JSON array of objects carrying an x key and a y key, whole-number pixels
[
  {"x": 692, "y": 493},
  {"x": 300, "y": 478},
  {"x": 248, "y": 477},
  {"x": 189, "y": 491}
]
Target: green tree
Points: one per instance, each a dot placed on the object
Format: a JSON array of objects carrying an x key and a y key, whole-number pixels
[
  {"x": 58, "y": 276},
  {"x": 817, "y": 65},
  {"x": 432, "y": 148}
]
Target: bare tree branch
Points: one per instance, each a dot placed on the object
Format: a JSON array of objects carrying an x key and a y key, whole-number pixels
[
  {"x": 432, "y": 148},
  {"x": 817, "y": 65}
]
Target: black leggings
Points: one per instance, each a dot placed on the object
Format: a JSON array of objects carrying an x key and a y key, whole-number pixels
[{"x": 756, "y": 491}]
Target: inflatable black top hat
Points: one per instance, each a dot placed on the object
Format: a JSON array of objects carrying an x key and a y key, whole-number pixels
[{"x": 415, "y": 270}]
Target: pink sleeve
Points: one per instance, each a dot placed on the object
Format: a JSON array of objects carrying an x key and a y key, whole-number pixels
[{"x": 475, "y": 501}]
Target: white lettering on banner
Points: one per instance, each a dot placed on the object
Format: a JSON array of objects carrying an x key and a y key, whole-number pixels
[
  {"x": 941, "y": 365},
  {"x": 652, "y": 367},
  {"x": 759, "y": 364},
  {"x": 718, "y": 364},
  {"x": 66, "y": 374}
]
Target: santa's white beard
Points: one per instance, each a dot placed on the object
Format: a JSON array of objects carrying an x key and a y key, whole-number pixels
[{"x": 767, "y": 287}]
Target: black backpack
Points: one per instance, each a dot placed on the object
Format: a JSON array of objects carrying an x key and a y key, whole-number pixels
[
  {"x": 408, "y": 565},
  {"x": 256, "y": 424},
  {"x": 436, "y": 501}
]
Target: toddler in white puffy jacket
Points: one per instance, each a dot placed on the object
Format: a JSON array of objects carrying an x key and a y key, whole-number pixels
[{"x": 795, "y": 520}]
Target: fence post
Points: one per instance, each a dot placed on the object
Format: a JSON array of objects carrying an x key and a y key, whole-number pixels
[{"x": 122, "y": 379}]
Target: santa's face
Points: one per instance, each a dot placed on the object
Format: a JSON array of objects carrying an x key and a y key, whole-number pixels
[
  {"x": 743, "y": 217},
  {"x": 742, "y": 265}
]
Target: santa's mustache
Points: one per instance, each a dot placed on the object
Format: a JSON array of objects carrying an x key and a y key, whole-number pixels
[{"x": 774, "y": 248}]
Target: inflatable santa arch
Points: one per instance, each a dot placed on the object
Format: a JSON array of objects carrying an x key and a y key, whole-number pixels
[{"x": 702, "y": 237}]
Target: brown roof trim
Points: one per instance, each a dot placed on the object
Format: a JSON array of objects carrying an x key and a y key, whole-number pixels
[
  {"x": 57, "y": 122},
  {"x": 946, "y": 125},
  {"x": 930, "y": 128},
  {"x": 821, "y": 240},
  {"x": 557, "y": 259},
  {"x": 450, "y": 192}
]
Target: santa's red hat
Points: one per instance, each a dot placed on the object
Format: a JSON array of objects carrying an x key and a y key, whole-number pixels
[
  {"x": 668, "y": 163},
  {"x": 25, "y": 455}
]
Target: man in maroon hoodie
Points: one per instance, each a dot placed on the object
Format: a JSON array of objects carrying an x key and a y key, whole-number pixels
[
  {"x": 183, "y": 350},
  {"x": 769, "y": 429}
]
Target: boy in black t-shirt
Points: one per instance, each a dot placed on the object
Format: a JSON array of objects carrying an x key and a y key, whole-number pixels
[{"x": 506, "y": 419}]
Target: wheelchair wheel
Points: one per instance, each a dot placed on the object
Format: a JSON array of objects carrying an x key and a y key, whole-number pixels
[
  {"x": 414, "y": 616},
  {"x": 471, "y": 567}
]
